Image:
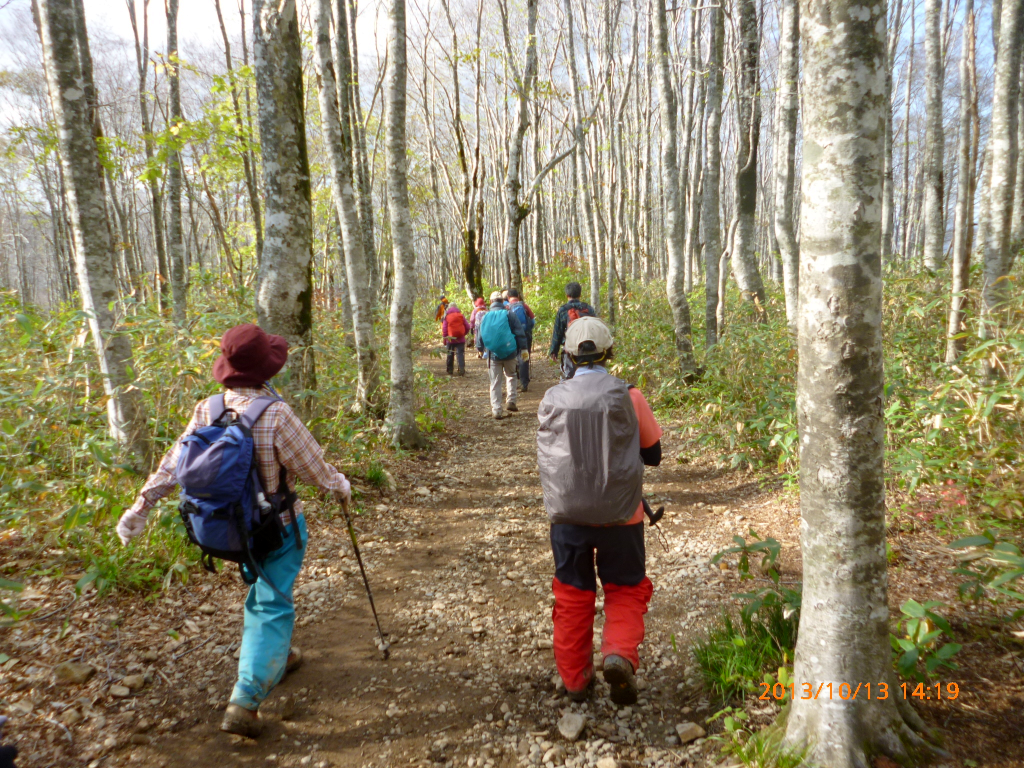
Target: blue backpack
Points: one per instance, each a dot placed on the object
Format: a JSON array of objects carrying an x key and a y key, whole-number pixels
[
  {"x": 519, "y": 310},
  {"x": 496, "y": 335},
  {"x": 223, "y": 501}
]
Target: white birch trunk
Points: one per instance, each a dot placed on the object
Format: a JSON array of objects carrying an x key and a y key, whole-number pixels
[
  {"x": 401, "y": 419},
  {"x": 674, "y": 234},
  {"x": 748, "y": 95},
  {"x": 1003, "y": 166},
  {"x": 963, "y": 224},
  {"x": 94, "y": 252},
  {"x": 787, "y": 111},
  {"x": 844, "y": 622},
  {"x": 713, "y": 174},
  {"x": 175, "y": 241},
  {"x": 934, "y": 221},
  {"x": 335, "y": 123},
  {"x": 284, "y": 297}
]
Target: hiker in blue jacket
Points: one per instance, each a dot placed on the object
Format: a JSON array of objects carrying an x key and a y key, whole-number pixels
[{"x": 504, "y": 338}]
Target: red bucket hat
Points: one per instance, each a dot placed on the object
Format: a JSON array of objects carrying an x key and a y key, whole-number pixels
[{"x": 249, "y": 356}]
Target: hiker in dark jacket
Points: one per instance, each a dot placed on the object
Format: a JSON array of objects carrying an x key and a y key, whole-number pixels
[
  {"x": 249, "y": 359},
  {"x": 567, "y": 313},
  {"x": 504, "y": 339}
]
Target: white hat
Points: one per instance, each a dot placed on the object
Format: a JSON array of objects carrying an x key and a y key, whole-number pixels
[
  {"x": 496, "y": 296},
  {"x": 588, "y": 329}
]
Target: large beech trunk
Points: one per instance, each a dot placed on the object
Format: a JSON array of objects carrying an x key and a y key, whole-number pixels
[{"x": 844, "y": 622}]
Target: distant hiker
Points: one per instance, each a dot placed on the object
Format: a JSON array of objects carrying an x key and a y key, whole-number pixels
[
  {"x": 479, "y": 310},
  {"x": 503, "y": 337},
  {"x": 454, "y": 328},
  {"x": 568, "y": 313},
  {"x": 282, "y": 450},
  {"x": 595, "y": 436},
  {"x": 441, "y": 309},
  {"x": 526, "y": 317}
]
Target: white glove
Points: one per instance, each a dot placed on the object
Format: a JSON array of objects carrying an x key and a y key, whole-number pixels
[
  {"x": 344, "y": 493},
  {"x": 129, "y": 526}
]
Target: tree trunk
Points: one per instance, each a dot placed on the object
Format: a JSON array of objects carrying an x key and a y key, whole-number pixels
[
  {"x": 844, "y": 623},
  {"x": 934, "y": 221},
  {"x": 579, "y": 130},
  {"x": 247, "y": 161},
  {"x": 334, "y": 116},
  {"x": 401, "y": 420},
  {"x": 516, "y": 211},
  {"x": 675, "y": 285},
  {"x": 284, "y": 296},
  {"x": 175, "y": 243},
  {"x": 361, "y": 162},
  {"x": 888, "y": 217},
  {"x": 142, "y": 62},
  {"x": 748, "y": 109},
  {"x": 1003, "y": 168},
  {"x": 78, "y": 124},
  {"x": 787, "y": 110},
  {"x": 712, "y": 174},
  {"x": 964, "y": 218}
]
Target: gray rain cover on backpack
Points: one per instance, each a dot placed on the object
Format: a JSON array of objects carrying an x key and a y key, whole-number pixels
[{"x": 588, "y": 451}]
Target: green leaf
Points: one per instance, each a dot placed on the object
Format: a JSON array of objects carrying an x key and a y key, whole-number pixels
[
  {"x": 948, "y": 651},
  {"x": 906, "y": 645},
  {"x": 972, "y": 541},
  {"x": 913, "y": 608}
]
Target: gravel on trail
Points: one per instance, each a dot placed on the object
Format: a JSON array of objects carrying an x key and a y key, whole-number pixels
[{"x": 458, "y": 557}]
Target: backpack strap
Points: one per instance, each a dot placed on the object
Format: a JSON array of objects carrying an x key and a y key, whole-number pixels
[
  {"x": 255, "y": 410},
  {"x": 216, "y": 407}
]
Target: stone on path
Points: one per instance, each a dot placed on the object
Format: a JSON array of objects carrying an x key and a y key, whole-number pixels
[
  {"x": 120, "y": 691},
  {"x": 133, "y": 682},
  {"x": 689, "y": 731},
  {"x": 73, "y": 672},
  {"x": 607, "y": 762},
  {"x": 571, "y": 725}
]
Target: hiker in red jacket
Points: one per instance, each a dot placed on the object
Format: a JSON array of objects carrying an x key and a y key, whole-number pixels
[
  {"x": 453, "y": 329},
  {"x": 595, "y": 436}
]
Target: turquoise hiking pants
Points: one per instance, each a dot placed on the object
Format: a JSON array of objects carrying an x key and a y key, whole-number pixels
[{"x": 269, "y": 621}]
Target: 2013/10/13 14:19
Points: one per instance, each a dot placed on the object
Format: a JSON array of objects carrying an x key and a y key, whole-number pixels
[{"x": 847, "y": 692}]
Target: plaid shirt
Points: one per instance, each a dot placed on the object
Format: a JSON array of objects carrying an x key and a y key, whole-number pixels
[{"x": 280, "y": 438}]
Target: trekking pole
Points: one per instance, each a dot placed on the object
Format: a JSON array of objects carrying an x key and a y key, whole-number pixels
[{"x": 383, "y": 646}]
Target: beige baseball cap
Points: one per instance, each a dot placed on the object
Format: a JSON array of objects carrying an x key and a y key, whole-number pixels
[
  {"x": 496, "y": 296},
  {"x": 588, "y": 329}
]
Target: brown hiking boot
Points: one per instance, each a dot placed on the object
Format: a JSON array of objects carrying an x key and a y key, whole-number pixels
[
  {"x": 511, "y": 407},
  {"x": 294, "y": 660},
  {"x": 618, "y": 673},
  {"x": 583, "y": 693},
  {"x": 242, "y": 721}
]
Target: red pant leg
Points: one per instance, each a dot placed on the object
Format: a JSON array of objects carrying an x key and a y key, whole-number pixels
[
  {"x": 624, "y": 609},
  {"x": 573, "y": 617}
]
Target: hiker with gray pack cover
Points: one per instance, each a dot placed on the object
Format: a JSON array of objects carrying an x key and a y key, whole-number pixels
[
  {"x": 596, "y": 435},
  {"x": 237, "y": 462},
  {"x": 503, "y": 337}
]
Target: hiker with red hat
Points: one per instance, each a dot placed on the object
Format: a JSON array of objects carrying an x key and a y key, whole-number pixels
[{"x": 283, "y": 450}]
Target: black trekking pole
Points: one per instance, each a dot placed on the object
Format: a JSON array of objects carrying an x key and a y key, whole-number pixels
[{"x": 383, "y": 646}]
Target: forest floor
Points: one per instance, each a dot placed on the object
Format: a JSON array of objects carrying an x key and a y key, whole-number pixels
[{"x": 460, "y": 565}]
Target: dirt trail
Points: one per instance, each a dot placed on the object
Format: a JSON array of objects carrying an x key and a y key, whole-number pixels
[{"x": 461, "y": 568}]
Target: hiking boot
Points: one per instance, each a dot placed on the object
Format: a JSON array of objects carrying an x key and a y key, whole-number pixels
[
  {"x": 526, "y": 387},
  {"x": 583, "y": 693},
  {"x": 294, "y": 660},
  {"x": 618, "y": 673},
  {"x": 462, "y": 372},
  {"x": 498, "y": 416},
  {"x": 241, "y": 721},
  {"x": 511, "y": 407}
]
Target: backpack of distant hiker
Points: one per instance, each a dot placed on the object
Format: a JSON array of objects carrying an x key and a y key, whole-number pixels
[
  {"x": 575, "y": 313},
  {"x": 496, "y": 334},
  {"x": 224, "y": 504},
  {"x": 456, "y": 324},
  {"x": 519, "y": 310},
  {"x": 588, "y": 452}
]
